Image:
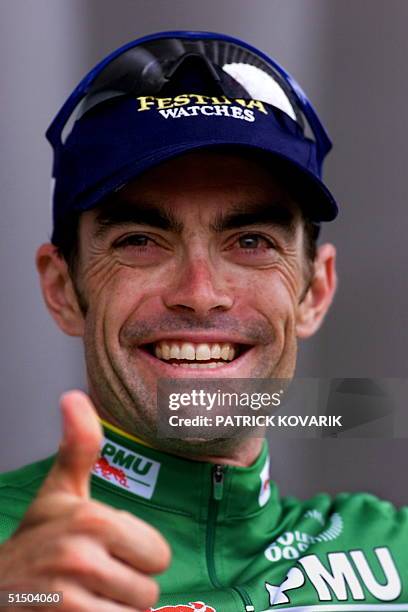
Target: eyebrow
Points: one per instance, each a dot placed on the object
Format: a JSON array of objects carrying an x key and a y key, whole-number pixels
[
  {"x": 273, "y": 214},
  {"x": 121, "y": 213},
  {"x": 118, "y": 214}
]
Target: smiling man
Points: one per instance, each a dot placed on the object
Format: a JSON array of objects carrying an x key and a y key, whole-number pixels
[
  {"x": 187, "y": 203},
  {"x": 205, "y": 275}
]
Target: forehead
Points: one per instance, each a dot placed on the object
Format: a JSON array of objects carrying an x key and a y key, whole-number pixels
[{"x": 207, "y": 182}]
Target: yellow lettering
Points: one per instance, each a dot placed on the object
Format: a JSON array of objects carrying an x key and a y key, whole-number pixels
[
  {"x": 164, "y": 102},
  {"x": 200, "y": 99},
  {"x": 181, "y": 100},
  {"x": 146, "y": 102},
  {"x": 222, "y": 100},
  {"x": 241, "y": 102},
  {"x": 259, "y": 105}
]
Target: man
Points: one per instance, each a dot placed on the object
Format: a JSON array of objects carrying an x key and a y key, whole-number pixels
[{"x": 187, "y": 203}]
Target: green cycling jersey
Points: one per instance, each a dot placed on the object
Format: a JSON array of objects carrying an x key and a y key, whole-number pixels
[{"x": 236, "y": 545}]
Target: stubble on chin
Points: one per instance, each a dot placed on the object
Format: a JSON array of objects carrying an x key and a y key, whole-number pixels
[{"x": 124, "y": 398}]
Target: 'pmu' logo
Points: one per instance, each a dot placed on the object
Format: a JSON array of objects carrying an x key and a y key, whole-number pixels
[
  {"x": 127, "y": 470},
  {"x": 345, "y": 576}
]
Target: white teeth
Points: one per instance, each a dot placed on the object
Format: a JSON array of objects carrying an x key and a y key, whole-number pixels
[
  {"x": 165, "y": 350},
  {"x": 199, "y": 366},
  {"x": 225, "y": 351},
  {"x": 215, "y": 351},
  {"x": 200, "y": 352},
  {"x": 174, "y": 351},
  {"x": 187, "y": 351}
]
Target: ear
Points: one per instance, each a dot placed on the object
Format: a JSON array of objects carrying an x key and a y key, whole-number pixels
[
  {"x": 58, "y": 290},
  {"x": 319, "y": 296}
]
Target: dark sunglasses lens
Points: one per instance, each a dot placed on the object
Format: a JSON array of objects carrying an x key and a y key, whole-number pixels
[{"x": 146, "y": 69}]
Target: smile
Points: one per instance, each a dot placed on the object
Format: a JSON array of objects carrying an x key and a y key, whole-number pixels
[{"x": 202, "y": 355}]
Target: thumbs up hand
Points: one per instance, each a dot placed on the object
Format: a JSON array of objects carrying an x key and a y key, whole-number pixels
[{"x": 99, "y": 557}]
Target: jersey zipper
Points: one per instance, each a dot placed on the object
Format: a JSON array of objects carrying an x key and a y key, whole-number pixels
[
  {"x": 215, "y": 498},
  {"x": 218, "y": 475}
]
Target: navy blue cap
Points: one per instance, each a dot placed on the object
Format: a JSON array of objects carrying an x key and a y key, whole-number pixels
[{"x": 117, "y": 140}]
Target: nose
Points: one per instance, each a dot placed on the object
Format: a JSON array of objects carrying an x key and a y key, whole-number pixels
[{"x": 199, "y": 288}]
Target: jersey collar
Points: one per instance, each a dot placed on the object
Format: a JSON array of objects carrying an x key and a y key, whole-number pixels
[{"x": 131, "y": 471}]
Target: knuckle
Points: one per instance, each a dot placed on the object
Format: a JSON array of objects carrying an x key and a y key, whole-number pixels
[
  {"x": 91, "y": 517},
  {"x": 72, "y": 557},
  {"x": 81, "y": 564},
  {"x": 63, "y": 547}
]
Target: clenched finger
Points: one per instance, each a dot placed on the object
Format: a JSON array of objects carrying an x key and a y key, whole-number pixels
[
  {"x": 125, "y": 536},
  {"x": 108, "y": 577},
  {"x": 79, "y": 599}
]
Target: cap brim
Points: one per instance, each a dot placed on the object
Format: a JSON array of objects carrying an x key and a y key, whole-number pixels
[{"x": 312, "y": 195}]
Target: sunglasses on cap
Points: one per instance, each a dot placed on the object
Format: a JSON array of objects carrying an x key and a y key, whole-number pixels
[
  {"x": 96, "y": 151},
  {"x": 143, "y": 67}
]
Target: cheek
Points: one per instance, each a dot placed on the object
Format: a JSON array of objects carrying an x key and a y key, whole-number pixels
[
  {"x": 116, "y": 292},
  {"x": 273, "y": 292}
]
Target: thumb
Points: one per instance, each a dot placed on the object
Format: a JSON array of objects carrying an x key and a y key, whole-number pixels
[{"x": 79, "y": 448}]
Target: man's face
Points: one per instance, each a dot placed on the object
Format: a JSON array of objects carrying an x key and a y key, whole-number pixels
[{"x": 197, "y": 270}]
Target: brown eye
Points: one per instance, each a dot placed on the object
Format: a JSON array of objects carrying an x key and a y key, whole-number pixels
[
  {"x": 137, "y": 240},
  {"x": 139, "y": 250}
]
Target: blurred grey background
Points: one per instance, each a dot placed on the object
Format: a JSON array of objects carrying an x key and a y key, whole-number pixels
[{"x": 350, "y": 56}]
